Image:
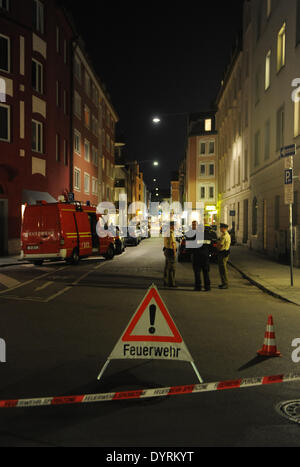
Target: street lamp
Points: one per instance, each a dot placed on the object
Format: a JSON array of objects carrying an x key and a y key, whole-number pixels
[
  {"x": 155, "y": 163},
  {"x": 156, "y": 120}
]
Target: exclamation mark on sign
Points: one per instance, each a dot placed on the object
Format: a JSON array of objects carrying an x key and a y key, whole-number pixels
[{"x": 152, "y": 313}]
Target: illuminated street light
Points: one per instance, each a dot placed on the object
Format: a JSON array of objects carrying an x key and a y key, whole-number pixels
[
  {"x": 155, "y": 163},
  {"x": 156, "y": 120}
]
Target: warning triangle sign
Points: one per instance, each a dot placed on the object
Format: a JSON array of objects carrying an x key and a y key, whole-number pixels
[{"x": 151, "y": 333}]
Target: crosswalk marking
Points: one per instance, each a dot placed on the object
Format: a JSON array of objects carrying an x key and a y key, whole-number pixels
[{"x": 8, "y": 282}]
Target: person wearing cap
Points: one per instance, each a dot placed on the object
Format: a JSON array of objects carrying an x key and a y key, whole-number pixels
[
  {"x": 200, "y": 255},
  {"x": 170, "y": 250},
  {"x": 223, "y": 256}
]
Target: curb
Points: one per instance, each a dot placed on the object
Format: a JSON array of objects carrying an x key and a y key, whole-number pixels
[
  {"x": 260, "y": 286},
  {"x": 13, "y": 264}
]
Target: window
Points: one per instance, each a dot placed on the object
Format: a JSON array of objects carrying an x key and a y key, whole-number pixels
[
  {"x": 77, "y": 68},
  {"x": 212, "y": 170},
  {"x": 256, "y": 148},
  {"x": 268, "y": 70},
  {"x": 280, "y": 129},
  {"x": 211, "y": 147},
  {"x": 269, "y": 8},
  {"x": 4, "y": 123},
  {"x": 87, "y": 84},
  {"x": 281, "y": 48},
  {"x": 57, "y": 40},
  {"x": 77, "y": 179},
  {"x": 4, "y": 53},
  {"x": 87, "y": 116},
  {"x": 202, "y": 169},
  {"x": 65, "y": 102},
  {"x": 37, "y": 136},
  {"x": 254, "y": 216},
  {"x": 94, "y": 125},
  {"x": 87, "y": 151},
  {"x": 203, "y": 148},
  {"x": 267, "y": 140},
  {"x": 65, "y": 52},
  {"x": 95, "y": 156},
  {"x": 208, "y": 124},
  {"x": 277, "y": 213},
  {"x": 38, "y": 16},
  {"x": 37, "y": 76},
  {"x": 202, "y": 192},
  {"x": 57, "y": 147},
  {"x": 246, "y": 165},
  {"x": 77, "y": 105},
  {"x": 94, "y": 186},
  {"x": 86, "y": 183},
  {"x": 211, "y": 192},
  {"x": 297, "y": 116},
  {"x": 66, "y": 159},
  {"x": 298, "y": 23},
  {"x": 257, "y": 86},
  {"x": 4, "y": 4},
  {"x": 58, "y": 94},
  {"x": 77, "y": 142}
]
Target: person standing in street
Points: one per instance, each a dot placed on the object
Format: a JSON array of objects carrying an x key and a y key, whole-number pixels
[
  {"x": 170, "y": 250},
  {"x": 223, "y": 256},
  {"x": 200, "y": 256}
]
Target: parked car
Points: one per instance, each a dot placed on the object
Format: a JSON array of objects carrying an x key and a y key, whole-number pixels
[
  {"x": 134, "y": 236},
  {"x": 184, "y": 254}
]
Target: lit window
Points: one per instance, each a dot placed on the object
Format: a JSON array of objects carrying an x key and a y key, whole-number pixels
[
  {"x": 4, "y": 123},
  {"x": 208, "y": 124},
  {"x": 281, "y": 48},
  {"x": 268, "y": 70},
  {"x": 87, "y": 116},
  {"x": 37, "y": 136}
]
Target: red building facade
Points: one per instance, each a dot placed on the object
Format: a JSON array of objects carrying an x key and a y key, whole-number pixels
[{"x": 35, "y": 121}]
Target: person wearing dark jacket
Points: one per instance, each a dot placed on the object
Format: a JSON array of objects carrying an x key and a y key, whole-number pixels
[{"x": 200, "y": 255}]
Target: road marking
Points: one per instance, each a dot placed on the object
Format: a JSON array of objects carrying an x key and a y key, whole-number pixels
[
  {"x": 52, "y": 297},
  {"x": 42, "y": 287},
  {"x": 8, "y": 282},
  {"x": 32, "y": 280}
]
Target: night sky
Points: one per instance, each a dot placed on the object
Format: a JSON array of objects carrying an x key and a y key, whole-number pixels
[{"x": 158, "y": 60}]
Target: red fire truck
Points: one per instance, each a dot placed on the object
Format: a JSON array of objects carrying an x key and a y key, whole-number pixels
[{"x": 63, "y": 231}]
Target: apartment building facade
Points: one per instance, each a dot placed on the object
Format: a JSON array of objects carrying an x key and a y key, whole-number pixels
[
  {"x": 34, "y": 38},
  {"x": 201, "y": 164},
  {"x": 94, "y": 121}
]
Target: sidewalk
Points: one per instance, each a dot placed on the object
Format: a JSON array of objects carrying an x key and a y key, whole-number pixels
[
  {"x": 11, "y": 261},
  {"x": 270, "y": 276}
]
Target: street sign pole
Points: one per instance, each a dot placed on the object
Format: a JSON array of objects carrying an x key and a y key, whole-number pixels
[
  {"x": 288, "y": 154},
  {"x": 291, "y": 240}
]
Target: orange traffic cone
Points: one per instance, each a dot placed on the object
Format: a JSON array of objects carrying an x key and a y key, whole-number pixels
[{"x": 269, "y": 348}]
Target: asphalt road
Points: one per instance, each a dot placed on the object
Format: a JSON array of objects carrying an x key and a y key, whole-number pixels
[{"x": 61, "y": 322}]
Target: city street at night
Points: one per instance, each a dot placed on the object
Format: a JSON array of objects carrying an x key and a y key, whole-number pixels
[{"x": 60, "y": 323}]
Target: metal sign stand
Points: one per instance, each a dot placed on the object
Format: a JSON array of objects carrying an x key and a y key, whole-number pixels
[{"x": 288, "y": 153}]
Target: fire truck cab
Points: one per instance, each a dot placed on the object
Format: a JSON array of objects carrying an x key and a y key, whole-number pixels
[{"x": 63, "y": 231}]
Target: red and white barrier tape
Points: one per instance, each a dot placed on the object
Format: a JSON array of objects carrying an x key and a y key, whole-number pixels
[{"x": 147, "y": 393}]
